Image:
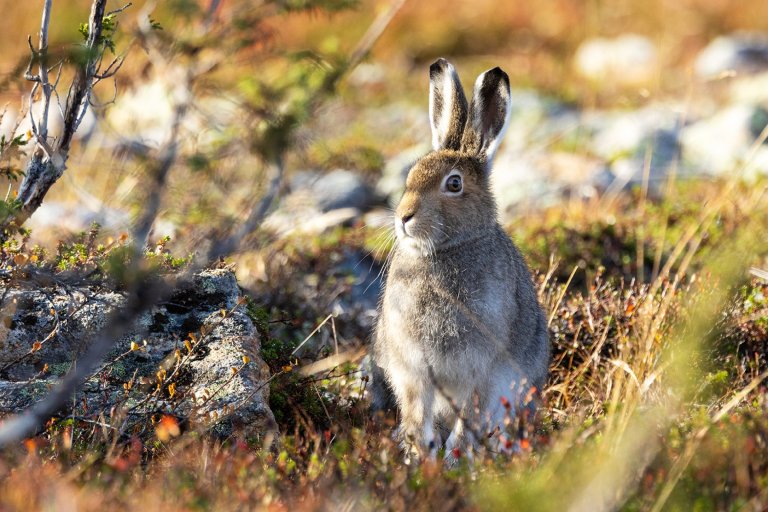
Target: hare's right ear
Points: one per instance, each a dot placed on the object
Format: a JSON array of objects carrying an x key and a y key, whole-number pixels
[
  {"x": 447, "y": 106},
  {"x": 488, "y": 115}
]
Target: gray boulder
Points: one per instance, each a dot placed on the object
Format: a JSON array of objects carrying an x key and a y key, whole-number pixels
[
  {"x": 341, "y": 189},
  {"x": 60, "y": 324},
  {"x": 319, "y": 202},
  {"x": 628, "y": 59},
  {"x": 721, "y": 143}
]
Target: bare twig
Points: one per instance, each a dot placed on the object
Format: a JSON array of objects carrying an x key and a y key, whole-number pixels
[
  {"x": 49, "y": 162},
  {"x": 43, "y": 74},
  {"x": 256, "y": 215}
]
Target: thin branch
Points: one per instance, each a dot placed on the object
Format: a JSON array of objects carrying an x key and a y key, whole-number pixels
[
  {"x": 257, "y": 214},
  {"x": 44, "y": 170},
  {"x": 374, "y": 33},
  {"x": 109, "y": 72},
  {"x": 28, "y": 72},
  {"x": 119, "y": 10},
  {"x": 43, "y": 73}
]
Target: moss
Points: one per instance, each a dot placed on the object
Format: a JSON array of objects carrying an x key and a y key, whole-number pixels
[
  {"x": 260, "y": 316},
  {"x": 59, "y": 369}
]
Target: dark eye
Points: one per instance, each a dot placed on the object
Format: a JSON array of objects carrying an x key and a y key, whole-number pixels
[{"x": 453, "y": 184}]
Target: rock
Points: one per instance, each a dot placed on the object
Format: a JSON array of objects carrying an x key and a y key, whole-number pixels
[
  {"x": 27, "y": 319},
  {"x": 578, "y": 175},
  {"x": 297, "y": 216},
  {"x": 319, "y": 202},
  {"x": 392, "y": 181},
  {"x": 627, "y": 60},
  {"x": 341, "y": 189},
  {"x": 516, "y": 180},
  {"x": 749, "y": 89},
  {"x": 145, "y": 112},
  {"x": 206, "y": 384},
  {"x": 542, "y": 179},
  {"x": 742, "y": 53},
  {"x": 359, "y": 305},
  {"x": 721, "y": 142},
  {"x": 533, "y": 119},
  {"x": 627, "y": 139},
  {"x": 62, "y": 219}
]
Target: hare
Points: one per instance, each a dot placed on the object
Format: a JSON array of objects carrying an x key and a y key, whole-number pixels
[{"x": 460, "y": 335}]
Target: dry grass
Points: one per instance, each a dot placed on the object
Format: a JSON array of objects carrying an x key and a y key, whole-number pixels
[{"x": 657, "y": 400}]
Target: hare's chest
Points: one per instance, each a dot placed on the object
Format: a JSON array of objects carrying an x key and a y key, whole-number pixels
[{"x": 429, "y": 315}]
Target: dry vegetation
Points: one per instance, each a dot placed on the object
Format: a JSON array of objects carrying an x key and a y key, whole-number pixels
[{"x": 658, "y": 396}]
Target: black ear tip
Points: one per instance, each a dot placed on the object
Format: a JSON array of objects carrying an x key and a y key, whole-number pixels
[
  {"x": 499, "y": 73},
  {"x": 439, "y": 66}
]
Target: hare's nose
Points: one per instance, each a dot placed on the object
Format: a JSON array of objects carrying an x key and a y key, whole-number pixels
[{"x": 405, "y": 218}]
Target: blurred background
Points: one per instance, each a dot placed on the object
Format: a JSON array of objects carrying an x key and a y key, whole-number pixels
[{"x": 601, "y": 90}]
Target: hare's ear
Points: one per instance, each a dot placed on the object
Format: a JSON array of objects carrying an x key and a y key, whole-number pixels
[
  {"x": 447, "y": 106},
  {"x": 488, "y": 115}
]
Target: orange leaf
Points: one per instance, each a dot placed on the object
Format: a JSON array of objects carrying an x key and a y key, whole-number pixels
[{"x": 167, "y": 427}]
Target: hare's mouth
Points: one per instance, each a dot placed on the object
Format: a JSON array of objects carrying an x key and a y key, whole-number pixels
[
  {"x": 414, "y": 243},
  {"x": 416, "y": 246}
]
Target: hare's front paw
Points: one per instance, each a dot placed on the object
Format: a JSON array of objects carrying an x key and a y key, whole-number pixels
[{"x": 418, "y": 441}]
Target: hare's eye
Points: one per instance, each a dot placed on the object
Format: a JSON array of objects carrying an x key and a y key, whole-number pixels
[{"x": 453, "y": 184}]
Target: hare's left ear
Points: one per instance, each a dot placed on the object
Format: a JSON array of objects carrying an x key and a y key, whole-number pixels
[{"x": 488, "y": 115}]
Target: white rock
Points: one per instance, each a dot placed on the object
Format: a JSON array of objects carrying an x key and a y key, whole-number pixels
[
  {"x": 14, "y": 124},
  {"x": 750, "y": 89},
  {"x": 620, "y": 133},
  {"x": 516, "y": 180},
  {"x": 742, "y": 53},
  {"x": 627, "y": 60},
  {"x": 145, "y": 111},
  {"x": 716, "y": 145},
  {"x": 73, "y": 218}
]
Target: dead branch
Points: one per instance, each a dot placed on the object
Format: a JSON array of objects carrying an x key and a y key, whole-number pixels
[
  {"x": 145, "y": 291},
  {"x": 50, "y": 158}
]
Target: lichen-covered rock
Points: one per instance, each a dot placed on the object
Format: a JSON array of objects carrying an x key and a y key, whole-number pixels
[{"x": 222, "y": 386}]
